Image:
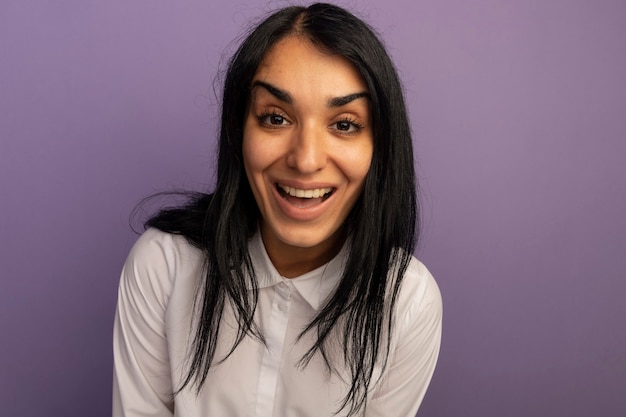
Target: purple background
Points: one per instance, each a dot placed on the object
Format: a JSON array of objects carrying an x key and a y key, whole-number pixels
[{"x": 519, "y": 114}]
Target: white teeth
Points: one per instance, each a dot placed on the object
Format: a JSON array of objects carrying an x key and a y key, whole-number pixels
[{"x": 300, "y": 193}]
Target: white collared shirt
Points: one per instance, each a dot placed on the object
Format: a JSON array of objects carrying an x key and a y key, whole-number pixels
[{"x": 152, "y": 336}]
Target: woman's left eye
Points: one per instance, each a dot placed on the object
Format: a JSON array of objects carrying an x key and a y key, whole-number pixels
[{"x": 347, "y": 126}]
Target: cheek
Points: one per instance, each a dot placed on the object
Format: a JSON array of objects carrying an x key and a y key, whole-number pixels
[
  {"x": 366, "y": 164},
  {"x": 257, "y": 152},
  {"x": 247, "y": 151},
  {"x": 357, "y": 162},
  {"x": 253, "y": 154},
  {"x": 257, "y": 158},
  {"x": 251, "y": 165}
]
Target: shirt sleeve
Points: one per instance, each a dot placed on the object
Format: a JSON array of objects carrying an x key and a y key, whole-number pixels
[
  {"x": 141, "y": 376},
  {"x": 412, "y": 362}
]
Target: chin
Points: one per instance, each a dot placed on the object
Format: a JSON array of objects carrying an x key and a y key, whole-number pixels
[
  {"x": 300, "y": 236},
  {"x": 304, "y": 238}
]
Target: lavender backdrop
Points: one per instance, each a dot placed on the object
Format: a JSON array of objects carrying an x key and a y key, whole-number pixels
[{"x": 519, "y": 113}]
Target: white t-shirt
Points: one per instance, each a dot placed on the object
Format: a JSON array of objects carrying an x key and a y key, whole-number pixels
[{"x": 152, "y": 337}]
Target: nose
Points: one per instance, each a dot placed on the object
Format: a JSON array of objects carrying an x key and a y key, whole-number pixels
[{"x": 307, "y": 152}]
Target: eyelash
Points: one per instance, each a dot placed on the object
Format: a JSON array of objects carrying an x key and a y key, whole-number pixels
[
  {"x": 352, "y": 122},
  {"x": 263, "y": 116}
]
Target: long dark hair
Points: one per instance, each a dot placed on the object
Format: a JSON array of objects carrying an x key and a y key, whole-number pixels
[{"x": 383, "y": 225}]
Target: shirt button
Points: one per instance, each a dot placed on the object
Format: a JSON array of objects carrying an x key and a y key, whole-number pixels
[
  {"x": 283, "y": 289},
  {"x": 282, "y": 307}
]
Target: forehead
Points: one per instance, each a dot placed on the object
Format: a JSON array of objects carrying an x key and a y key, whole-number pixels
[{"x": 296, "y": 64}]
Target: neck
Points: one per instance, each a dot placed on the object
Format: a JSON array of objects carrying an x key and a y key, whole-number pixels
[{"x": 293, "y": 261}]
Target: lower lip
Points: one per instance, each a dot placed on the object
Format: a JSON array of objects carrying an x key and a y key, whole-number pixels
[{"x": 301, "y": 213}]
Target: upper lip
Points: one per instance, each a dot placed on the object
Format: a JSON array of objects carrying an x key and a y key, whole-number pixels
[{"x": 304, "y": 186}]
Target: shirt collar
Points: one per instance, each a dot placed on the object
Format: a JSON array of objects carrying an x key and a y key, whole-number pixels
[{"x": 315, "y": 286}]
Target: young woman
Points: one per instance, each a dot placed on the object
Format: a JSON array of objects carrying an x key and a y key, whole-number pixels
[{"x": 291, "y": 289}]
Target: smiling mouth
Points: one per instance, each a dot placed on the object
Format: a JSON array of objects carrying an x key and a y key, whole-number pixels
[{"x": 290, "y": 193}]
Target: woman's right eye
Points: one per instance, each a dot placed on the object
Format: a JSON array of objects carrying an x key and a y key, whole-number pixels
[{"x": 273, "y": 119}]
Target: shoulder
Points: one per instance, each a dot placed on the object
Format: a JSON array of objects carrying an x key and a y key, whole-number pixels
[
  {"x": 156, "y": 260},
  {"x": 157, "y": 246},
  {"x": 419, "y": 297}
]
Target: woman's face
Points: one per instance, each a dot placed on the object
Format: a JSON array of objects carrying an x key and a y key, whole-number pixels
[{"x": 307, "y": 147}]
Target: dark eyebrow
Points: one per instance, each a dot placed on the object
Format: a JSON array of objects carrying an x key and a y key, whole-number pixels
[
  {"x": 286, "y": 97},
  {"x": 276, "y": 92},
  {"x": 342, "y": 101}
]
